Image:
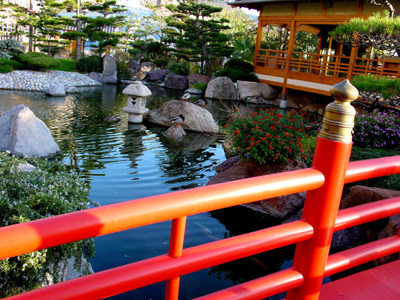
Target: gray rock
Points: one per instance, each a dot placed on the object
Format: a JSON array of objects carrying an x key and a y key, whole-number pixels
[
  {"x": 174, "y": 81},
  {"x": 175, "y": 132},
  {"x": 196, "y": 118},
  {"x": 221, "y": 88},
  {"x": 157, "y": 75},
  {"x": 29, "y": 136},
  {"x": 26, "y": 167},
  {"x": 55, "y": 90},
  {"x": 96, "y": 76},
  {"x": 5, "y": 126},
  {"x": 133, "y": 64},
  {"x": 197, "y": 78},
  {"x": 71, "y": 90},
  {"x": 194, "y": 91},
  {"x": 248, "y": 90},
  {"x": 267, "y": 92},
  {"x": 142, "y": 70},
  {"x": 109, "y": 69}
]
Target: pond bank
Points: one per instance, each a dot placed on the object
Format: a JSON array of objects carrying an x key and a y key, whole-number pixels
[{"x": 38, "y": 81}]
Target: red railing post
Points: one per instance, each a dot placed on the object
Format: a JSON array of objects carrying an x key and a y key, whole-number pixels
[
  {"x": 176, "y": 241},
  {"x": 331, "y": 157}
]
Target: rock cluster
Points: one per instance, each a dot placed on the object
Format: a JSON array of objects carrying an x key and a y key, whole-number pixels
[
  {"x": 39, "y": 81},
  {"x": 22, "y": 133}
]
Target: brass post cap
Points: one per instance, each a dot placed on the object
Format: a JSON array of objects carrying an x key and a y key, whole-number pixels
[{"x": 338, "y": 121}]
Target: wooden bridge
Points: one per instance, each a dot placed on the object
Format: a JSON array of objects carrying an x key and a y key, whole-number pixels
[{"x": 312, "y": 234}]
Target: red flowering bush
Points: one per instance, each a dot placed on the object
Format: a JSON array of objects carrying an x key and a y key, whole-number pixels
[{"x": 268, "y": 136}]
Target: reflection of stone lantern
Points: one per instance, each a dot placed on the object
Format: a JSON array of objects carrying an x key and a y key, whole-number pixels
[{"x": 136, "y": 102}]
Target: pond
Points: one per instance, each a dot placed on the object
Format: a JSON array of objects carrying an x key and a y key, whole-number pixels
[{"x": 128, "y": 161}]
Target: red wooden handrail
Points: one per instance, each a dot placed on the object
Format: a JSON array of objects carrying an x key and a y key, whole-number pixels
[{"x": 312, "y": 234}]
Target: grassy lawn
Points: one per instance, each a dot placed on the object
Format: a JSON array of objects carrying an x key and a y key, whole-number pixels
[
  {"x": 68, "y": 65},
  {"x": 8, "y": 65}
]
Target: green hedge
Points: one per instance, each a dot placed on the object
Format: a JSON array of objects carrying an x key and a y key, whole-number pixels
[
  {"x": 91, "y": 64},
  {"x": 38, "y": 61}
]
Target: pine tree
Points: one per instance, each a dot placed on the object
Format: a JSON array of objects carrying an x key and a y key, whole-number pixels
[{"x": 196, "y": 35}]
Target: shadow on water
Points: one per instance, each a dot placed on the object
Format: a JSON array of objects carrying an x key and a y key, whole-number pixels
[{"x": 124, "y": 161}]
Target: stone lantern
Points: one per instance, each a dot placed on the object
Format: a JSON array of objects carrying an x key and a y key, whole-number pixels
[{"x": 136, "y": 102}]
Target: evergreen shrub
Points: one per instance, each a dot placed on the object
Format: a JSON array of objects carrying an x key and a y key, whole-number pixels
[
  {"x": 38, "y": 61},
  {"x": 179, "y": 68},
  {"x": 89, "y": 64},
  {"x": 238, "y": 69}
]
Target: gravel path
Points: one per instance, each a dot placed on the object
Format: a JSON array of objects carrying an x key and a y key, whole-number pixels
[{"x": 38, "y": 81}]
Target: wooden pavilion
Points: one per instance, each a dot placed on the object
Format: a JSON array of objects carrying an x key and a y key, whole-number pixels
[{"x": 331, "y": 62}]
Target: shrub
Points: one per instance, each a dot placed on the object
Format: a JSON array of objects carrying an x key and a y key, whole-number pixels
[
  {"x": 236, "y": 75},
  {"x": 377, "y": 90},
  {"x": 268, "y": 136},
  {"x": 48, "y": 190},
  {"x": 92, "y": 63},
  {"x": 123, "y": 70},
  {"x": 200, "y": 86},
  {"x": 4, "y": 68},
  {"x": 180, "y": 68},
  {"x": 38, "y": 61},
  {"x": 10, "y": 48},
  {"x": 239, "y": 64},
  {"x": 161, "y": 63},
  {"x": 377, "y": 130}
]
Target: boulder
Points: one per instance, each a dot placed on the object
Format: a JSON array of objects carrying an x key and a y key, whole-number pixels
[
  {"x": 174, "y": 81},
  {"x": 23, "y": 134},
  {"x": 267, "y": 92},
  {"x": 197, "y": 78},
  {"x": 157, "y": 75},
  {"x": 55, "y": 90},
  {"x": 279, "y": 207},
  {"x": 248, "y": 90},
  {"x": 221, "y": 88},
  {"x": 175, "y": 132},
  {"x": 71, "y": 90},
  {"x": 133, "y": 64},
  {"x": 362, "y": 194},
  {"x": 196, "y": 118},
  {"x": 194, "y": 91},
  {"x": 96, "y": 76},
  {"x": 109, "y": 69},
  {"x": 142, "y": 70}
]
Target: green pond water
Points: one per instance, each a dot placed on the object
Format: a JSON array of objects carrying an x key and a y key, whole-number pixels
[{"x": 129, "y": 161}]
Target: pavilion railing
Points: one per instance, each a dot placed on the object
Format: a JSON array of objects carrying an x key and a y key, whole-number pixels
[
  {"x": 326, "y": 64},
  {"x": 312, "y": 234}
]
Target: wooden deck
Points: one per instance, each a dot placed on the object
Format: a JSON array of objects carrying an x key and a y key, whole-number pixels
[{"x": 380, "y": 283}]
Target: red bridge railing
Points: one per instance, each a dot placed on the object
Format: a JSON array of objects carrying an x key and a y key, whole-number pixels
[{"x": 312, "y": 234}]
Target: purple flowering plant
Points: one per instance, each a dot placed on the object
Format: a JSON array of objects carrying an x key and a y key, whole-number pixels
[
  {"x": 379, "y": 130},
  {"x": 268, "y": 136}
]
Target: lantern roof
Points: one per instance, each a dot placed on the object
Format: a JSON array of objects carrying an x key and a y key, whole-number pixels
[{"x": 138, "y": 89}]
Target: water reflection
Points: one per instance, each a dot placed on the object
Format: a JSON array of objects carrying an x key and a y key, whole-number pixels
[{"x": 126, "y": 161}]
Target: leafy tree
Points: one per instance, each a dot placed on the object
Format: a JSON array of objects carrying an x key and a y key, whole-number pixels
[
  {"x": 379, "y": 31},
  {"x": 196, "y": 35},
  {"x": 242, "y": 32}
]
